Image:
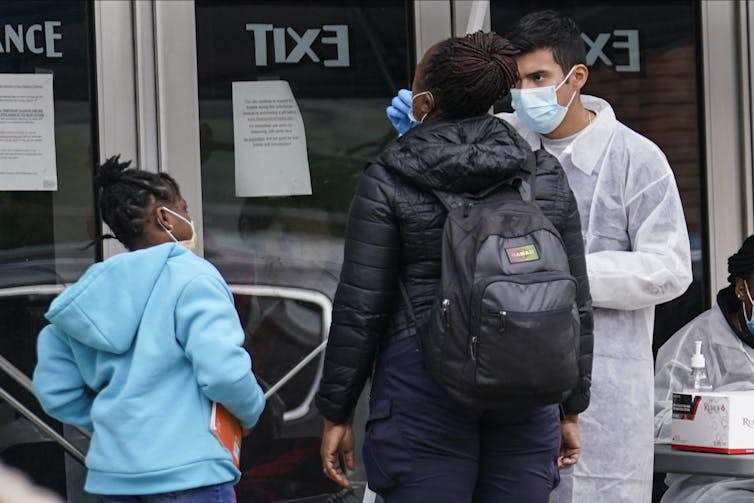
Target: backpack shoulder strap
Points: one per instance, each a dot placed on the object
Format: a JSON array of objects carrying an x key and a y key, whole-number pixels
[
  {"x": 445, "y": 199},
  {"x": 409, "y": 306},
  {"x": 528, "y": 190}
]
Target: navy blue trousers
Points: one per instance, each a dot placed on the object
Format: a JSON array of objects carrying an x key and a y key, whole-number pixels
[
  {"x": 421, "y": 446},
  {"x": 218, "y": 493}
]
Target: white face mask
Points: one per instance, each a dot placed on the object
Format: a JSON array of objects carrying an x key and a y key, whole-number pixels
[
  {"x": 411, "y": 115},
  {"x": 188, "y": 243},
  {"x": 538, "y": 108}
]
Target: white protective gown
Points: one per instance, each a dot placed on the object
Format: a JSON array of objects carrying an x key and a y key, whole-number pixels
[
  {"x": 637, "y": 256},
  {"x": 730, "y": 366}
]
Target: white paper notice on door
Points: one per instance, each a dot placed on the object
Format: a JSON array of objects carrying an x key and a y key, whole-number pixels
[
  {"x": 27, "y": 132},
  {"x": 269, "y": 141}
]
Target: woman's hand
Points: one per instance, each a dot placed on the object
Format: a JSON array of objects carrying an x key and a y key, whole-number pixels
[
  {"x": 570, "y": 442},
  {"x": 337, "y": 441}
]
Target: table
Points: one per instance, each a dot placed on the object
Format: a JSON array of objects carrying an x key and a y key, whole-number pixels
[{"x": 671, "y": 460}]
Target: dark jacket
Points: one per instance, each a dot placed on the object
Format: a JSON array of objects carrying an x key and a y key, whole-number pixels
[{"x": 394, "y": 230}]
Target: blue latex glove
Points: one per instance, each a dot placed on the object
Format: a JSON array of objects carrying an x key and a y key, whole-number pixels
[{"x": 397, "y": 112}]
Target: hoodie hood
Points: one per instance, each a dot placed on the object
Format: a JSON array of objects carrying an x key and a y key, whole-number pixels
[
  {"x": 104, "y": 308},
  {"x": 459, "y": 156}
]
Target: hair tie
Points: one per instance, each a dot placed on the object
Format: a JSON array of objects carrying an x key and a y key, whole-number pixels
[{"x": 110, "y": 172}]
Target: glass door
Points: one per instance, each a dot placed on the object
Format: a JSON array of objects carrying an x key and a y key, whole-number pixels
[
  {"x": 163, "y": 73},
  {"x": 337, "y": 65},
  {"x": 355, "y": 59},
  {"x": 48, "y": 144}
]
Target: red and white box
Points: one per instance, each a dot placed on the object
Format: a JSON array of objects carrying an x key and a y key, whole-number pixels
[{"x": 714, "y": 422}]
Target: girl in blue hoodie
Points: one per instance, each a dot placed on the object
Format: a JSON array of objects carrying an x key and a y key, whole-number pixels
[{"x": 139, "y": 348}]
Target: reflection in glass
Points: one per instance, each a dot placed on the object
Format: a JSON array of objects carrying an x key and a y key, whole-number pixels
[
  {"x": 22, "y": 445},
  {"x": 42, "y": 234},
  {"x": 295, "y": 241},
  {"x": 280, "y": 333}
]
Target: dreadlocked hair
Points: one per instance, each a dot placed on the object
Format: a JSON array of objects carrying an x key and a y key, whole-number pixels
[
  {"x": 468, "y": 74},
  {"x": 125, "y": 193}
]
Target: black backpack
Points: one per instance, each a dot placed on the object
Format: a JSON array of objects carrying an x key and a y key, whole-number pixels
[{"x": 504, "y": 327}]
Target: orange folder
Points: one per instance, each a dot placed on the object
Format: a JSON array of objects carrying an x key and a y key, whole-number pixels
[{"x": 227, "y": 429}]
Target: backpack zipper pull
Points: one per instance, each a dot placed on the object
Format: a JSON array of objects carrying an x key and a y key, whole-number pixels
[
  {"x": 474, "y": 342},
  {"x": 501, "y": 324},
  {"x": 446, "y": 312}
]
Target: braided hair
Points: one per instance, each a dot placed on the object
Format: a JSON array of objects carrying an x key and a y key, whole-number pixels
[
  {"x": 741, "y": 263},
  {"x": 468, "y": 74},
  {"x": 125, "y": 194}
]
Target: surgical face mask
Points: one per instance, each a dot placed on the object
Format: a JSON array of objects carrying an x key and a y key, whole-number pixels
[
  {"x": 411, "y": 115},
  {"x": 538, "y": 108},
  {"x": 749, "y": 321},
  {"x": 188, "y": 243}
]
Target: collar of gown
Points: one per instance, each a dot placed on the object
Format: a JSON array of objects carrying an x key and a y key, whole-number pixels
[{"x": 590, "y": 143}]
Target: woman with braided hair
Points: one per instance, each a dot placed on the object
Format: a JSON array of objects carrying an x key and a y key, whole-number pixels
[
  {"x": 726, "y": 331},
  {"x": 420, "y": 444},
  {"x": 138, "y": 349}
]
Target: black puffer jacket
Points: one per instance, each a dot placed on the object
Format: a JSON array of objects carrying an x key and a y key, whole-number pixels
[{"x": 395, "y": 227}]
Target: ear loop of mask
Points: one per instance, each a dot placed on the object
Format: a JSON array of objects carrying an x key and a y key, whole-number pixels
[
  {"x": 411, "y": 115},
  {"x": 188, "y": 243},
  {"x": 743, "y": 305},
  {"x": 568, "y": 75}
]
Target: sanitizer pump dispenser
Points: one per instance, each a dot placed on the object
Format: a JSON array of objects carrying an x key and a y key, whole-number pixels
[{"x": 698, "y": 381}]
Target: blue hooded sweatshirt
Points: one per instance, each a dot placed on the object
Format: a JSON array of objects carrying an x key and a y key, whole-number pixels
[{"x": 136, "y": 352}]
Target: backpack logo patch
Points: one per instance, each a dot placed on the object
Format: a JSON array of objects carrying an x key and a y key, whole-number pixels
[{"x": 526, "y": 253}]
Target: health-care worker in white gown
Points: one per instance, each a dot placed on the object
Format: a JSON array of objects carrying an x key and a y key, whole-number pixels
[
  {"x": 726, "y": 331},
  {"x": 637, "y": 252}
]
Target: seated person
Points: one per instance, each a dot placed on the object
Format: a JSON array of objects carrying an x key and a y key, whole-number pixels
[{"x": 727, "y": 334}]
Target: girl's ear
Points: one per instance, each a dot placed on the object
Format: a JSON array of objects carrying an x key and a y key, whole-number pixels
[{"x": 162, "y": 217}]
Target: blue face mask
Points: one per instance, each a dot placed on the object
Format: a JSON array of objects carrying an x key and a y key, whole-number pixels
[
  {"x": 538, "y": 108},
  {"x": 749, "y": 321}
]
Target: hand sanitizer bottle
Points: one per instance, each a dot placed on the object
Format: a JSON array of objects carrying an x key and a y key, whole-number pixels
[{"x": 698, "y": 381}]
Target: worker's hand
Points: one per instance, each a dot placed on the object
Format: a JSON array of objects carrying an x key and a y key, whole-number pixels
[
  {"x": 398, "y": 110},
  {"x": 337, "y": 445},
  {"x": 570, "y": 442}
]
